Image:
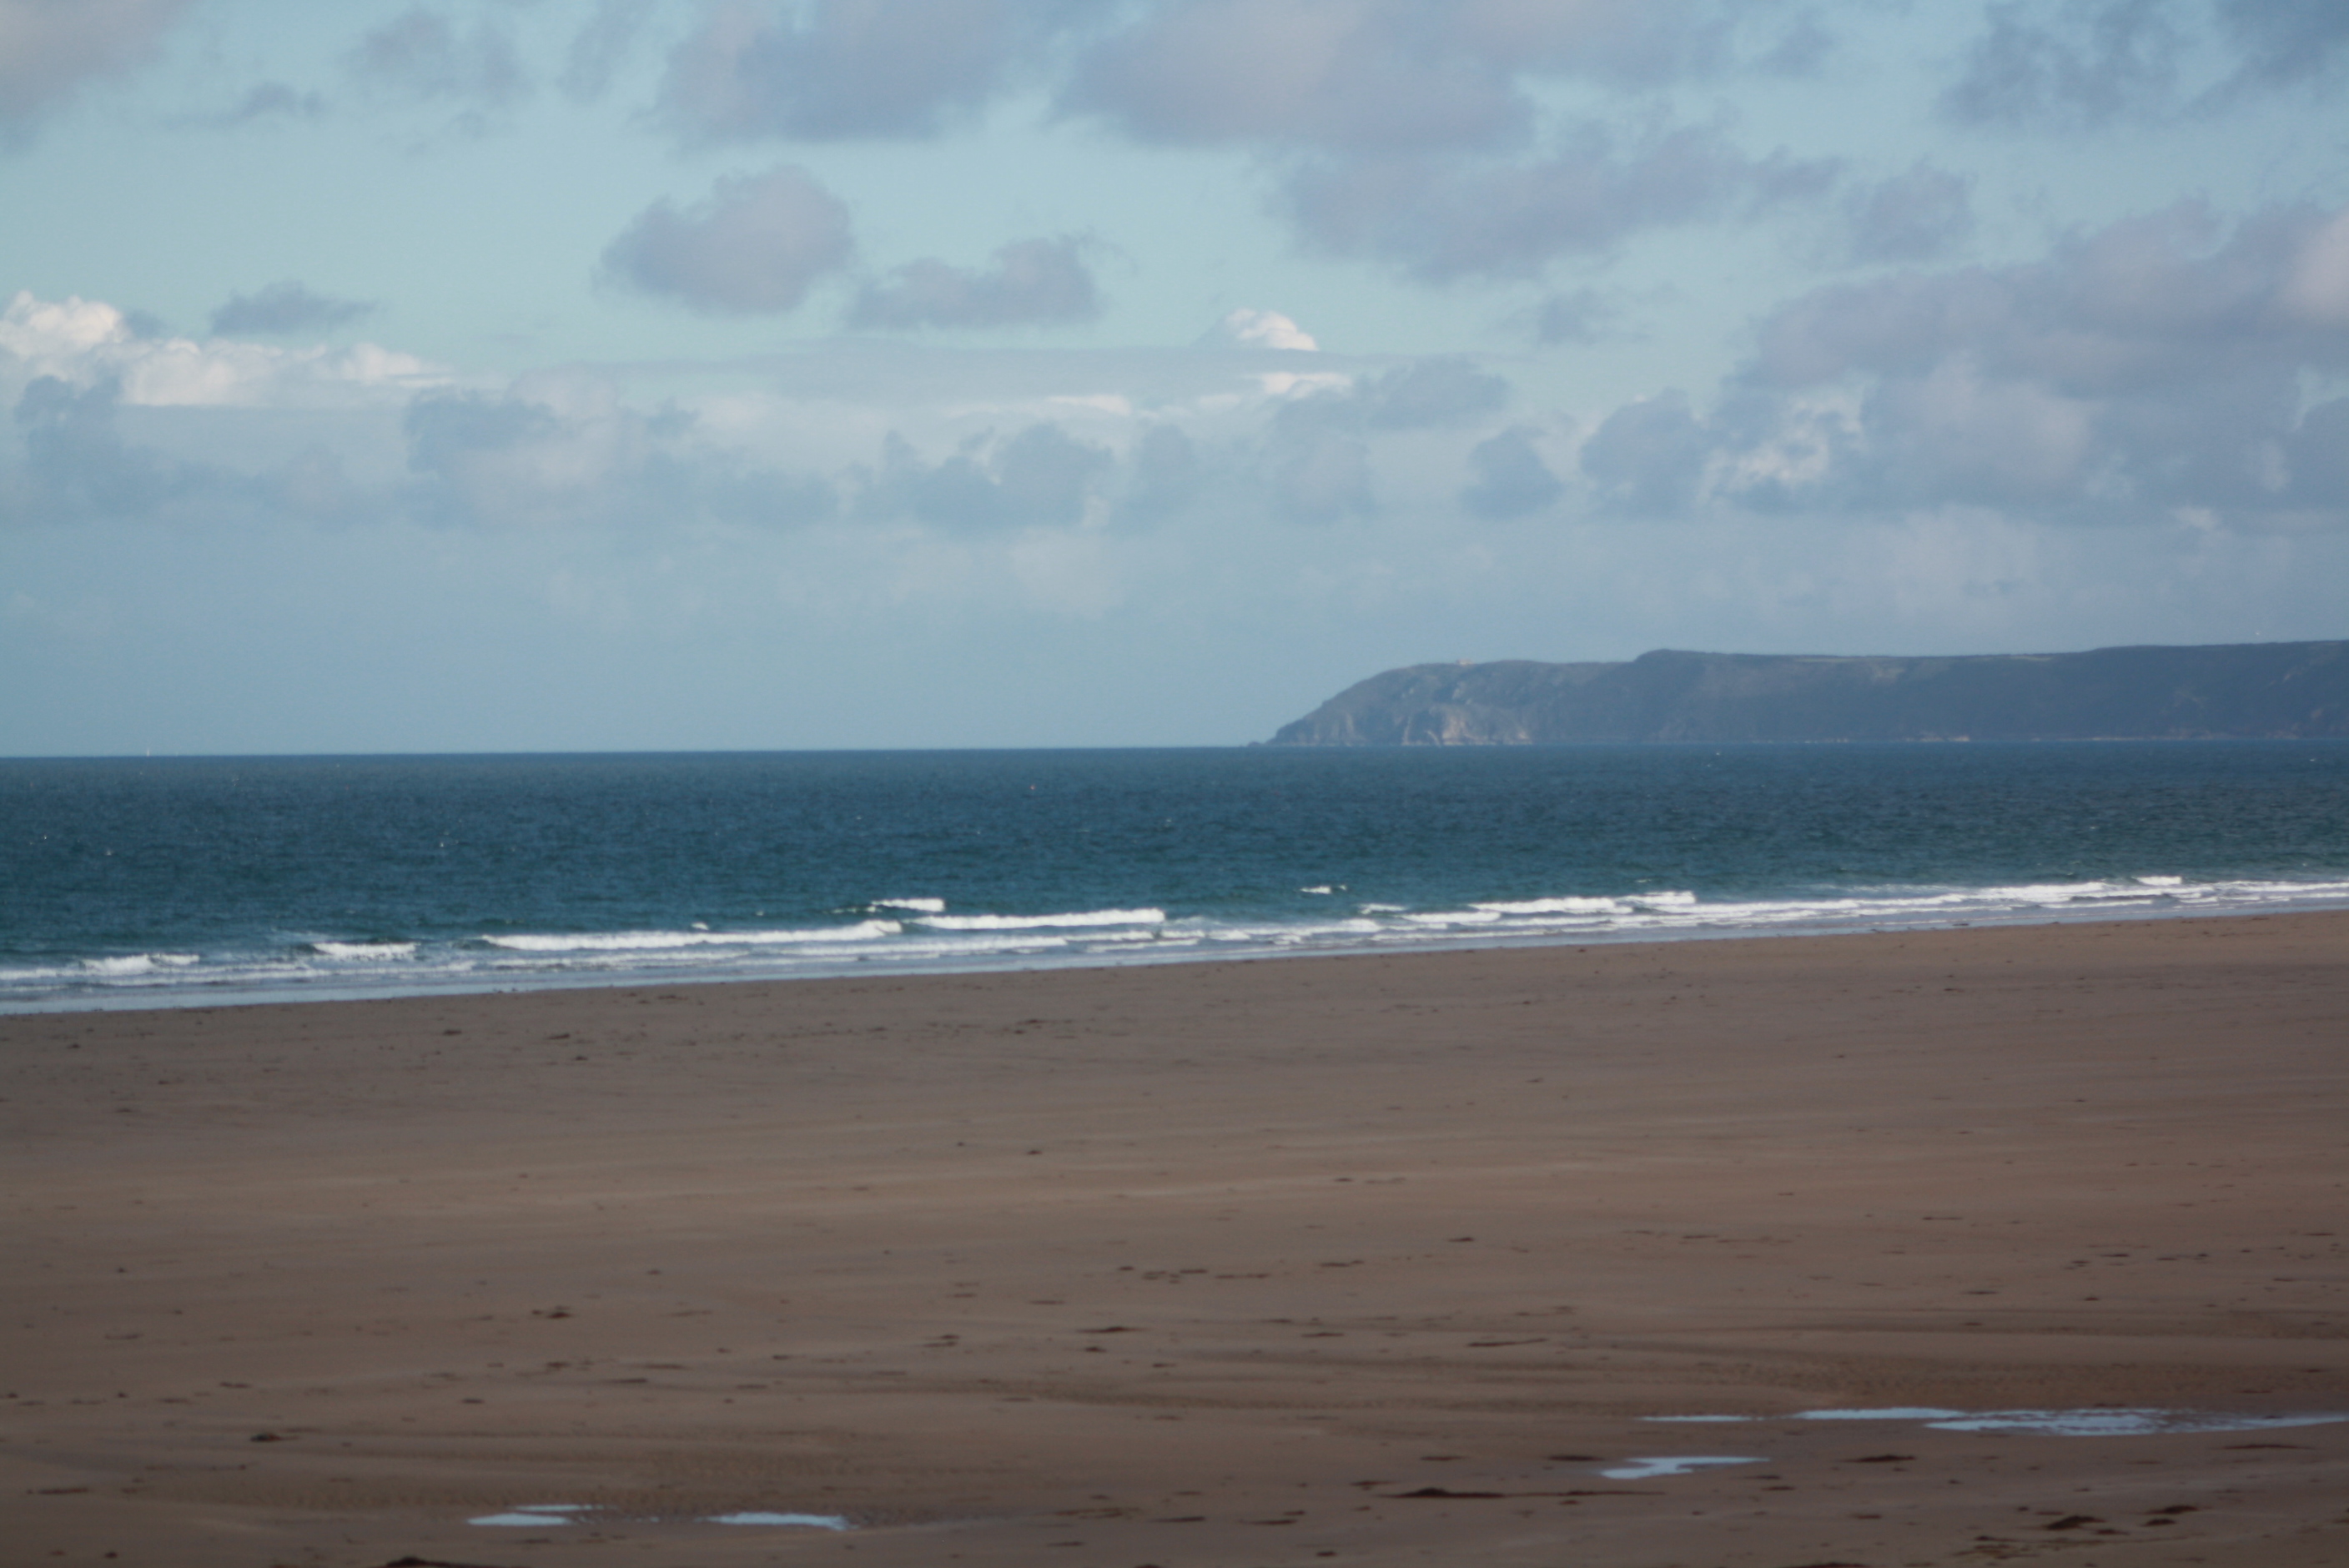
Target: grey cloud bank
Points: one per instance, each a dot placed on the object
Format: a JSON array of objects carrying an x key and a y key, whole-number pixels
[
  {"x": 1032, "y": 282},
  {"x": 2093, "y": 62},
  {"x": 851, "y": 68},
  {"x": 2160, "y": 363},
  {"x": 48, "y": 50}
]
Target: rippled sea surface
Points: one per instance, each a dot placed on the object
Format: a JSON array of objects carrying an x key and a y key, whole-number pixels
[{"x": 155, "y": 882}]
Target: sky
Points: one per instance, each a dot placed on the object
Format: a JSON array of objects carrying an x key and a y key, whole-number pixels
[{"x": 680, "y": 374}]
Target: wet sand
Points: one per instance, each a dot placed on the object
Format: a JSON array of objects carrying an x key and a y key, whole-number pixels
[{"x": 1363, "y": 1259}]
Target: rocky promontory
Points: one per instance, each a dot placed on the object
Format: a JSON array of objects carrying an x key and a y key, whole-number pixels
[{"x": 2249, "y": 690}]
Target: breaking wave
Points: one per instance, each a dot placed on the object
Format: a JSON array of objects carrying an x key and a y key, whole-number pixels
[{"x": 928, "y": 933}]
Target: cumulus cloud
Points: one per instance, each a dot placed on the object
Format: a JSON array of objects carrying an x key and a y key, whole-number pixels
[
  {"x": 287, "y": 306},
  {"x": 828, "y": 69},
  {"x": 85, "y": 343},
  {"x": 1512, "y": 480},
  {"x": 756, "y": 245},
  {"x": 1043, "y": 477},
  {"x": 1440, "y": 220},
  {"x": 2156, "y": 369},
  {"x": 581, "y": 458},
  {"x": 1250, "y": 329},
  {"x": 422, "y": 56},
  {"x": 50, "y": 47},
  {"x": 1031, "y": 282}
]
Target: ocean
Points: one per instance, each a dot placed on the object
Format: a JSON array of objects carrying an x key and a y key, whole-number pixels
[{"x": 137, "y": 882}]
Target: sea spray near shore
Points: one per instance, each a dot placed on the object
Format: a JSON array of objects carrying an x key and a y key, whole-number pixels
[{"x": 191, "y": 881}]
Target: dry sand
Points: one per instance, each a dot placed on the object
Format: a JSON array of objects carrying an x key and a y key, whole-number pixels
[{"x": 1236, "y": 1264}]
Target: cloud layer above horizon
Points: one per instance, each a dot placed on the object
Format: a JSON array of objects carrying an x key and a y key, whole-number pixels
[{"x": 663, "y": 372}]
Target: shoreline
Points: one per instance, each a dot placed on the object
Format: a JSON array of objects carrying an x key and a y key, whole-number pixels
[
  {"x": 231, "y": 995},
  {"x": 1381, "y": 1257}
]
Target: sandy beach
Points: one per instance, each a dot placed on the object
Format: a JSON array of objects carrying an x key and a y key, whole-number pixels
[{"x": 1361, "y": 1260}]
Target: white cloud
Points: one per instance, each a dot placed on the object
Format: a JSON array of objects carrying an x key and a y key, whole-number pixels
[
  {"x": 1247, "y": 329},
  {"x": 86, "y": 342}
]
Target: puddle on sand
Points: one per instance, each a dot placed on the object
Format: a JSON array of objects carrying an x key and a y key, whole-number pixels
[
  {"x": 2088, "y": 1423},
  {"x": 529, "y": 1514},
  {"x": 2122, "y": 1423},
  {"x": 1671, "y": 1464},
  {"x": 533, "y": 1515}
]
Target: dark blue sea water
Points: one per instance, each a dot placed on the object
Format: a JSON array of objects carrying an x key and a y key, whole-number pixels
[{"x": 198, "y": 880}]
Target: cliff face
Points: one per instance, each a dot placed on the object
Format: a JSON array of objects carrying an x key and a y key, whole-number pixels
[{"x": 2278, "y": 690}]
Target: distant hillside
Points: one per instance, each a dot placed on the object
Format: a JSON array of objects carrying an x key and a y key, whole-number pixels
[{"x": 2280, "y": 690}]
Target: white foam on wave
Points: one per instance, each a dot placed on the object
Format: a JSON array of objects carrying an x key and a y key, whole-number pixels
[
  {"x": 783, "y": 1521},
  {"x": 1449, "y": 917},
  {"x": 129, "y": 963},
  {"x": 1077, "y": 920},
  {"x": 1554, "y": 906},
  {"x": 917, "y": 905},
  {"x": 369, "y": 951},
  {"x": 661, "y": 941}
]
